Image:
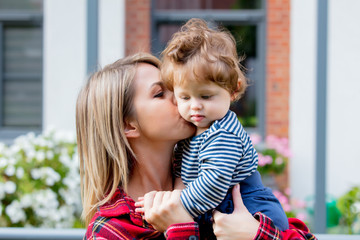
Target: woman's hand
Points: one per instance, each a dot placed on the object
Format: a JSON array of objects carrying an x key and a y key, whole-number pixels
[
  {"x": 238, "y": 225},
  {"x": 161, "y": 209}
]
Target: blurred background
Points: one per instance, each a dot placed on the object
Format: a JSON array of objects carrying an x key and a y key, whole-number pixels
[{"x": 48, "y": 48}]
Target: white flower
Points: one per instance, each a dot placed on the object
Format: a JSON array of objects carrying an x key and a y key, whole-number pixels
[
  {"x": 10, "y": 170},
  {"x": 3, "y": 162},
  {"x": 14, "y": 149},
  {"x": 26, "y": 201},
  {"x": 40, "y": 156},
  {"x": 2, "y": 146},
  {"x": 9, "y": 187},
  {"x": 15, "y": 212},
  {"x": 35, "y": 173},
  {"x": 49, "y": 154},
  {"x": 20, "y": 172},
  {"x": 30, "y": 153}
]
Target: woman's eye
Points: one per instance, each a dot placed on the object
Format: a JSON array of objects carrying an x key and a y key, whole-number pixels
[
  {"x": 160, "y": 94},
  {"x": 205, "y": 96},
  {"x": 185, "y": 98}
]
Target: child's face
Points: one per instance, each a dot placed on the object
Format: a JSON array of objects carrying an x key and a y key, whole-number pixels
[{"x": 202, "y": 102}]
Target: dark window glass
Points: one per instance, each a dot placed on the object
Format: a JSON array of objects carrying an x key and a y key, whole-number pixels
[
  {"x": 245, "y": 108},
  {"x": 207, "y": 4},
  {"x": 21, "y": 4},
  {"x": 22, "y": 74}
]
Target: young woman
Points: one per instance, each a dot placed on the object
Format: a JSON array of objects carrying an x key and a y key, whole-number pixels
[{"x": 127, "y": 126}]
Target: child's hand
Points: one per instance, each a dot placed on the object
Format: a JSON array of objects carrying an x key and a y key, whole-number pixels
[{"x": 140, "y": 205}]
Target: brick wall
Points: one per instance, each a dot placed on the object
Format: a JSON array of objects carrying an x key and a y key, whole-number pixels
[
  {"x": 138, "y": 27},
  {"x": 277, "y": 67}
]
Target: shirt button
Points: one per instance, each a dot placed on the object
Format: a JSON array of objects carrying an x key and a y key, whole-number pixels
[{"x": 193, "y": 238}]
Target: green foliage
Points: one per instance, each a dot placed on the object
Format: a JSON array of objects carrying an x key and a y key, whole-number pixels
[
  {"x": 349, "y": 206},
  {"x": 40, "y": 182}
]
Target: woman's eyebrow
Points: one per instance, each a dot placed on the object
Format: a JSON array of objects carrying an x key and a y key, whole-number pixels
[{"x": 161, "y": 84}]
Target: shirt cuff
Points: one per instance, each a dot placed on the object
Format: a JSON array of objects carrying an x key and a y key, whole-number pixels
[
  {"x": 267, "y": 229},
  {"x": 183, "y": 231}
]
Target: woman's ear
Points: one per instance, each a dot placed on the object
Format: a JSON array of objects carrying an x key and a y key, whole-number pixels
[{"x": 131, "y": 129}]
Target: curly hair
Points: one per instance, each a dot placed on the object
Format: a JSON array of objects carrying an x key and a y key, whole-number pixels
[{"x": 200, "y": 53}]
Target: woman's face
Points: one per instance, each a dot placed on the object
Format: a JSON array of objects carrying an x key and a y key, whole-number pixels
[{"x": 155, "y": 110}]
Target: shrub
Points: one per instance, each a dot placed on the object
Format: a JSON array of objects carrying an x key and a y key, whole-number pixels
[{"x": 40, "y": 182}]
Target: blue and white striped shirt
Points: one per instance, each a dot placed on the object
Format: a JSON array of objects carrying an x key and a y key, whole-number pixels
[{"x": 213, "y": 162}]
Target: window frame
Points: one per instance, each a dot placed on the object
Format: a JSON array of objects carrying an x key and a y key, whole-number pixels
[{"x": 256, "y": 17}]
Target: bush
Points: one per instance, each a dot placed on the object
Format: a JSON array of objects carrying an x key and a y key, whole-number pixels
[
  {"x": 40, "y": 182},
  {"x": 349, "y": 207}
]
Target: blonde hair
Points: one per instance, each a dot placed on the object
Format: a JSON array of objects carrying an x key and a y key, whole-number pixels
[
  {"x": 103, "y": 106},
  {"x": 199, "y": 53}
]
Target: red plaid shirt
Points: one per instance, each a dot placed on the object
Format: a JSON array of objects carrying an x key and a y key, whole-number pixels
[{"x": 117, "y": 219}]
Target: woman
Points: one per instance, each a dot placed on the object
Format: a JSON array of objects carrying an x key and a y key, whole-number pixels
[{"x": 127, "y": 126}]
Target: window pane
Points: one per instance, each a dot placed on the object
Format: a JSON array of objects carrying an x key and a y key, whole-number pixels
[
  {"x": 22, "y": 85},
  {"x": 21, "y": 4},
  {"x": 246, "y": 107},
  {"x": 207, "y": 4}
]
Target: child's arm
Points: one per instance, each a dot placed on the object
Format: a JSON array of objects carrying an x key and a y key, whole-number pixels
[
  {"x": 222, "y": 158},
  {"x": 179, "y": 184}
]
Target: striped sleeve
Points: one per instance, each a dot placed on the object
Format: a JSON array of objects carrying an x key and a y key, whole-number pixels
[{"x": 221, "y": 158}]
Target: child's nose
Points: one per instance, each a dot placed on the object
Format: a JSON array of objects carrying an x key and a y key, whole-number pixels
[{"x": 196, "y": 105}]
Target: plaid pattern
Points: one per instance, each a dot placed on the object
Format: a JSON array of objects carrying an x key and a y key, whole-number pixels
[
  {"x": 117, "y": 219},
  {"x": 268, "y": 231}
]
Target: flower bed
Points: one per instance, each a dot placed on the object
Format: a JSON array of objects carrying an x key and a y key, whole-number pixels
[{"x": 40, "y": 182}]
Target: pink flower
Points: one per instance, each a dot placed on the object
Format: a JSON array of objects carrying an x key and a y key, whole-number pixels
[
  {"x": 283, "y": 200},
  {"x": 300, "y": 204},
  {"x": 255, "y": 138},
  {"x": 279, "y": 161},
  {"x": 288, "y": 191},
  {"x": 264, "y": 160},
  {"x": 287, "y": 207},
  {"x": 301, "y": 216}
]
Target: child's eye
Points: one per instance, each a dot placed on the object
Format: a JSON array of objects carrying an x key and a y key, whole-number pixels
[
  {"x": 184, "y": 98},
  {"x": 205, "y": 96},
  {"x": 160, "y": 94}
]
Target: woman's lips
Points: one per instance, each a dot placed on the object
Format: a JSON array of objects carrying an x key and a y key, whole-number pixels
[{"x": 197, "y": 118}]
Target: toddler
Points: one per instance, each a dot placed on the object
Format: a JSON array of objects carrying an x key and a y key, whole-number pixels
[{"x": 201, "y": 67}]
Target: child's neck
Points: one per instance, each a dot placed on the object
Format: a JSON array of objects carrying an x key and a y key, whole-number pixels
[{"x": 200, "y": 131}]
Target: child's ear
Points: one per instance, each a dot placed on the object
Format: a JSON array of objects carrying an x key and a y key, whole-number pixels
[
  {"x": 131, "y": 129},
  {"x": 235, "y": 94}
]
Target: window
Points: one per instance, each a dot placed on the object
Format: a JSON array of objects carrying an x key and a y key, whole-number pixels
[
  {"x": 20, "y": 67},
  {"x": 245, "y": 19}
]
